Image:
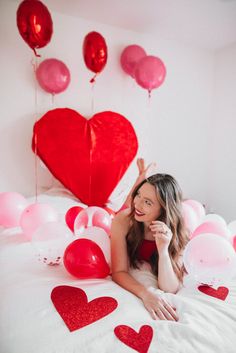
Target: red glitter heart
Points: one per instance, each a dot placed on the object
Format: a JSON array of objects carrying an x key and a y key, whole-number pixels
[
  {"x": 140, "y": 341},
  {"x": 89, "y": 157},
  {"x": 220, "y": 292},
  {"x": 73, "y": 306}
]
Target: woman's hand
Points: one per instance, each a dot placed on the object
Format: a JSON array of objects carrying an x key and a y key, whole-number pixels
[
  {"x": 158, "y": 307},
  {"x": 162, "y": 235}
]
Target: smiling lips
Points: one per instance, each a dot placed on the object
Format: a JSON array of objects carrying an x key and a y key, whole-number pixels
[{"x": 138, "y": 213}]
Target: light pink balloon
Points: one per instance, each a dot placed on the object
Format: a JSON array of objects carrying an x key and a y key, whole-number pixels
[
  {"x": 102, "y": 219},
  {"x": 81, "y": 222},
  {"x": 211, "y": 227},
  {"x": 12, "y": 205},
  {"x": 35, "y": 215},
  {"x": 209, "y": 258},
  {"x": 130, "y": 56},
  {"x": 53, "y": 76},
  {"x": 190, "y": 217},
  {"x": 92, "y": 216},
  {"x": 197, "y": 207},
  {"x": 150, "y": 72}
]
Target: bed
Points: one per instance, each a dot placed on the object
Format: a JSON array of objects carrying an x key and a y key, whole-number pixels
[{"x": 45, "y": 310}]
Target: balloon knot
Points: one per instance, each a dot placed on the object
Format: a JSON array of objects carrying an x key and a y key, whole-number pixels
[
  {"x": 36, "y": 54},
  {"x": 93, "y": 79}
]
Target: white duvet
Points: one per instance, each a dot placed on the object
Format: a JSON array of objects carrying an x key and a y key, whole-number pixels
[{"x": 29, "y": 322}]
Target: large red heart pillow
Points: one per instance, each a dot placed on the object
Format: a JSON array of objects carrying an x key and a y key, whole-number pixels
[{"x": 89, "y": 157}]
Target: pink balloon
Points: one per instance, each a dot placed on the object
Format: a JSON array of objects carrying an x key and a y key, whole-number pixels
[
  {"x": 35, "y": 215},
  {"x": 150, "y": 72},
  {"x": 211, "y": 227},
  {"x": 130, "y": 56},
  {"x": 190, "y": 217},
  {"x": 12, "y": 205},
  {"x": 197, "y": 207},
  {"x": 234, "y": 242},
  {"x": 53, "y": 76}
]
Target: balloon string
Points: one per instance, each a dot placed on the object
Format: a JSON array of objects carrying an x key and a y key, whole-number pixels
[
  {"x": 92, "y": 98},
  {"x": 36, "y": 54},
  {"x": 35, "y": 65},
  {"x": 53, "y": 99}
]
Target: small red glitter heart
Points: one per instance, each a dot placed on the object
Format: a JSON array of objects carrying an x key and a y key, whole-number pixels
[
  {"x": 220, "y": 292},
  {"x": 73, "y": 306},
  {"x": 140, "y": 341}
]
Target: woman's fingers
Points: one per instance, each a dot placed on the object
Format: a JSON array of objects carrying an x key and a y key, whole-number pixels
[
  {"x": 164, "y": 312},
  {"x": 141, "y": 165},
  {"x": 170, "y": 311}
]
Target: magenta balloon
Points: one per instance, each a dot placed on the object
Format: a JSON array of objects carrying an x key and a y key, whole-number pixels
[
  {"x": 12, "y": 205},
  {"x": 53, "y": 76},
  {"x": 130, "y": 56},
  {"x": 150, "y": 72}
]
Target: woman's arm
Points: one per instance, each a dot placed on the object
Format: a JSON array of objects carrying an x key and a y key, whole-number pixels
[
  {"x": 142, "y": 174},
  {"x": 119, "y": 255},
  {"x": 167, "y": 278},
  {"x": 156, "y": 306}
]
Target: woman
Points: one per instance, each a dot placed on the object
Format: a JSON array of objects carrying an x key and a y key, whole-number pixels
[{"x": 150, "y": 232}]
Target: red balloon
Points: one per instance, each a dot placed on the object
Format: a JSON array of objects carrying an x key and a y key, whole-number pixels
[
  {"x": 95, "y": 52},
  {"x": 83, "y": 258},
  {"x": 53, "y": 76},
  {"x": 34, "y": 23},
  {"x": 71, "y": 215}
]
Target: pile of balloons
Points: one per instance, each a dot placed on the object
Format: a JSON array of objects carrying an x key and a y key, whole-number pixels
[
  {"x": 39, "y": 223},
  {"x": 89, "y": 255},
  {"x": 210, "y": 256},
  {"x": 35, "y": 26},
  {"x": 148, "y": 71}
]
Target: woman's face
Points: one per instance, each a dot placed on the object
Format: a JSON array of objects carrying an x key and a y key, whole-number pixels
[{"x": 147, "y": 208}]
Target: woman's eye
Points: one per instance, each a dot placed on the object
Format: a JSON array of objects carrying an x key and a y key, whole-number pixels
[{"x": 148, "y": 203}]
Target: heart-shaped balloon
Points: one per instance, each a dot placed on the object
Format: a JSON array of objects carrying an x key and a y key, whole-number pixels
[
  {"x": 89, "y": 157},
  {"x": 73, "y": 306}
]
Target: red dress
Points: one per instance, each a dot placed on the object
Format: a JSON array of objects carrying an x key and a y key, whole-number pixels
[{"x": 147, "y": 248}]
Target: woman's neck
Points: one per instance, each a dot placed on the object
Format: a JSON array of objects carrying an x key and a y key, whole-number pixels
[{"x": 147, "y": 232}]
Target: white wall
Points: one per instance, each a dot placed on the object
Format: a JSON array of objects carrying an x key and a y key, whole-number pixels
[
  {"x": 173, "y": 128},
  {"x": 222, "y": 142}
]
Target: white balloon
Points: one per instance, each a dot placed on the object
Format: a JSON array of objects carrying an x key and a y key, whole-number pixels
[
  {"x": 232, "y": 227},
  {"x": 214, "y": 217},
  {"x": 209, "y": 259},
  {"x": 50, "y": 241}
]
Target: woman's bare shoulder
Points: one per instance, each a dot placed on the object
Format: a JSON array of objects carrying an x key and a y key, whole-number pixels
[{"x": 122, "y": 220}]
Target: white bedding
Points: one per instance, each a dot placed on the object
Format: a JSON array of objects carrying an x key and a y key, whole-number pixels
[{"x": 29, "y": 322}]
